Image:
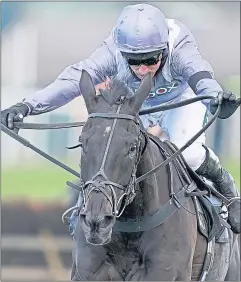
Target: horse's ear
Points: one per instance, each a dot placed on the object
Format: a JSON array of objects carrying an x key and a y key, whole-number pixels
[
  {"x": 141, "y": 94},
  {"x": 87, "y": 89}
]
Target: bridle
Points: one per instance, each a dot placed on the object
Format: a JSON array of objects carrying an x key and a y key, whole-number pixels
[{"x": 100, "y": 185}]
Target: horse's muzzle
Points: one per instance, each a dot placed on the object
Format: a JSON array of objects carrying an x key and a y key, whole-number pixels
[{"x": 97, "y": 229}]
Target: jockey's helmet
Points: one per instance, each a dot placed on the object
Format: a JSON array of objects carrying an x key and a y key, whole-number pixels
[{"x": 141, "y": 32}]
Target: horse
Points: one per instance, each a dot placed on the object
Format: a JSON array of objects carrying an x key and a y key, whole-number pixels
[{"x": 129, "y": 229}]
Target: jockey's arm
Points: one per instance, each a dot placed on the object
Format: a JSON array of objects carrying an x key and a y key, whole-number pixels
[
  {"x": 66, "y": 87},
  {"x": 189, "y": 64}
]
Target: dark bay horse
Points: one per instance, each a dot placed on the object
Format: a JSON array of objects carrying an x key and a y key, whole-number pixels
[{"x": 115, "y": 151}]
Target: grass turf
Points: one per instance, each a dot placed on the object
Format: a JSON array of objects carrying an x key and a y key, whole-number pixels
[{"x": 36, "y": 182}]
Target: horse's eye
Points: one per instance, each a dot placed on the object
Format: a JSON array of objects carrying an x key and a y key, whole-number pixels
[
  {"x": 82, "y": 146},
  {"x": 133, "y": 148},
  {"x": 80, "y": 142}
]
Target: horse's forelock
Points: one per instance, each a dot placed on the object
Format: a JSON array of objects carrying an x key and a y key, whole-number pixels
[
  {"x": 117, "y": 85},
  {"x": 116, "y": 88}
]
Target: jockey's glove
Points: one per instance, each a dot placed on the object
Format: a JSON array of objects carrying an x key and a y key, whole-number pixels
[
  {"x": 229, "y": 105},
  {"x": 15, "y": 113}
]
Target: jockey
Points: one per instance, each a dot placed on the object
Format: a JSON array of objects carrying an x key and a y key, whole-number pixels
[{"x": 144, "y": 41}]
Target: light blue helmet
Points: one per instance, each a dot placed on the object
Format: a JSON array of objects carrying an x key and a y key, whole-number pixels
[{"x": 141, "y": 28}]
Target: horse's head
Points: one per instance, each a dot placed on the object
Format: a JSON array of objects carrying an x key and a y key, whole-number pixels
[{"x": 112, "y": 142}]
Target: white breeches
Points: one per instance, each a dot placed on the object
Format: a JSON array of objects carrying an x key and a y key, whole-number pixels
[{"x": 180, "y": 125}]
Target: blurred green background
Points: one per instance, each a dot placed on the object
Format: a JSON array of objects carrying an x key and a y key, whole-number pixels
[
  {"x": 41, "y": 182},
  {"x": 48, "y": 182}
]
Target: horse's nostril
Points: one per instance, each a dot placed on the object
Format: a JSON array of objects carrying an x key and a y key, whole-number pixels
[
  {"x": 108, "y": 219},
  {"x": 96, "y": 221},
  {"x": 83, "y": 217}
]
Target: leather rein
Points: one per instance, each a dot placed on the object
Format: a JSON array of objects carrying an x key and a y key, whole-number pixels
[{"x": 41, "y": 126}]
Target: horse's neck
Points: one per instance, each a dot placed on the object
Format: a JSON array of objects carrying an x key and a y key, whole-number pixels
[{"x": 153, "y": 191}]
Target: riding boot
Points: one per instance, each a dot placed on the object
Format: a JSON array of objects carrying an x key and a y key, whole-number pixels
[{"x": 224, "y": 182}]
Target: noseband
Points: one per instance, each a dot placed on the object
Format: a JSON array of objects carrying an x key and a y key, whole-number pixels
[{"x": 99, "y": 185}]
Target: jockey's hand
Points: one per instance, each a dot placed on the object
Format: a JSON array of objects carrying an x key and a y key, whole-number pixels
[
  {"x": 157, "y": 131},
  {"x": 103, "y": 85},
  {"x": 229, "y": 105},
  {"x": 14, "y": 113}
]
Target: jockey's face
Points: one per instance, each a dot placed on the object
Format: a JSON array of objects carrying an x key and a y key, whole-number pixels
[
  {"x": 142, "y": 67},
  {"x": 141, "y": 70}
]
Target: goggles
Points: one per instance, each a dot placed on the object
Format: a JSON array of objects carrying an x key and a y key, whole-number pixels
[{"x": 147, "y": 62}]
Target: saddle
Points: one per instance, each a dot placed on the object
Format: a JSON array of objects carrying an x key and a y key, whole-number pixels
[{"x": 211, "y": 212}]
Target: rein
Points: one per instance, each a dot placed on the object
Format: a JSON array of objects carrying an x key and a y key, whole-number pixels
[
  {"x": 44, "y": 126},
  {"x": 39, "y": 126}
]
